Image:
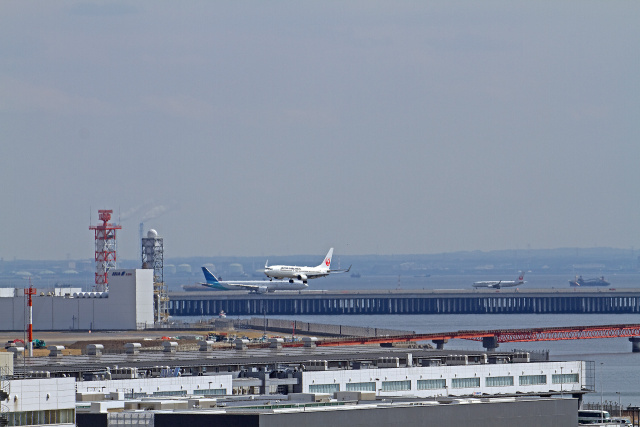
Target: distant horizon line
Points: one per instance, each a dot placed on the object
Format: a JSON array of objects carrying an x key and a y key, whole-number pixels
[{"x": 337, "y": 254}]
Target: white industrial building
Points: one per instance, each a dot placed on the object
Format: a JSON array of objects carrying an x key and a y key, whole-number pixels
[
  {"x": 127, "y": 305},
  {"x": 467, "y": 380},
  {"x": 533, "y": 378},
  {"x": 39, "y": 402},
  {"x": 101, "y": 386},
  {"x": 215, "y": 385},
  {"x": 35, "y": 401}
]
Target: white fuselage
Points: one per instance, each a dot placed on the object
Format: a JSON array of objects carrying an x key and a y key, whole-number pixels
[
  {"x": 261, "y": 286},
  {"x": 258, "y": 286},
  {"x": 292, "y": 272},
  {"x": 496, "y": 284},
  {"x": 285, "y": 286},
  {"x": 295, "y": 272}
]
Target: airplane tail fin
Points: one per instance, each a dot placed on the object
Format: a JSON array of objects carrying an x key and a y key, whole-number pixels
[
  {"x": 521, "y": 277},
  {"x": 209, "y": 277},
  {"x": 327, "y": 260}
]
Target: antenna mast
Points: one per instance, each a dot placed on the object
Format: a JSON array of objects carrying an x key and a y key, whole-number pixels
[{"x": 105, "y": 256}]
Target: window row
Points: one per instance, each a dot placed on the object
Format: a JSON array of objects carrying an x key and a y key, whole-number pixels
[
  {"x": 434, "y": 384},
  {"x": 324, "y": 388},
  {"x": 170, "y": 393},
  {"x": 25, "y": 418},
  {"x": 211, "y": 392},
  {"x": 564, "y": 378},
  {"x": 371, "y": 386}
]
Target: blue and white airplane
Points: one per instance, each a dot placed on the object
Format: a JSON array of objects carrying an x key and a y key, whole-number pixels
[{"x": 257, "y": 286}]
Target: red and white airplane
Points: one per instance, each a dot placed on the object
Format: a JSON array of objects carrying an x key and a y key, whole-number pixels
[
  {"x": 292, "y": 272},
  {"x": 497, "y": 284}
]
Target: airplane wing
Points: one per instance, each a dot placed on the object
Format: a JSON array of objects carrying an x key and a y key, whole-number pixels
[
  {"x": 244, "y": 286},
  {"x": 252, "y": 283},
  {"x": 341, "y": 271},
  {"x": 238, "y": 286},
  {"x": 487, "y": 284},
  {"x": 263, "y": 286}
]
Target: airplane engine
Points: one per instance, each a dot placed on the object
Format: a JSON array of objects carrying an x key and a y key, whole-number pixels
[
  {"x": 262, "y": 290},
  {"x": 302, "y": 277}
]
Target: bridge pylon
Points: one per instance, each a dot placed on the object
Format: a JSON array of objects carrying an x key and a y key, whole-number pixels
[
  {"x": 440, "y": 343},
  {"x": 490, "y": 343}
]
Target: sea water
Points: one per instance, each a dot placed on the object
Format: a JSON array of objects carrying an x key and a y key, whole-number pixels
[{"x": 617, "y": 369}]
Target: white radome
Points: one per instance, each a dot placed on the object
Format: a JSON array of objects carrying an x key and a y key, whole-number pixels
[{"x": 152, "y": 233}]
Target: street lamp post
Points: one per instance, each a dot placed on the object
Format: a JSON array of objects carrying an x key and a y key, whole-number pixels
[
  {"x": 264, "y": 320},
  {"x": 619, "y": 405},
  {"x": 601, "y": 393}
]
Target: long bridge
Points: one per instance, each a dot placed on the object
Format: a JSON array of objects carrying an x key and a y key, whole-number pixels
[
  {"x": 485, "y": 301},
  {"x": 492, "y": 338}
]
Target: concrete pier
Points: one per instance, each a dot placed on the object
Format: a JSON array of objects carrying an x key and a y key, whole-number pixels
[
  {"x": 490, "y": 343},
  {"x": 440, "y": 343},
  {"x": 504, "y": 301}
]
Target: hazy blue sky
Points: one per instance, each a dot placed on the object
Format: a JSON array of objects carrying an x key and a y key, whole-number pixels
[{"x": 274, "y": 128}]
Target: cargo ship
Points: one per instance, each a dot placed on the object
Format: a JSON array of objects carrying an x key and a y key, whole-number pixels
[{"x": 579, "y": 281}]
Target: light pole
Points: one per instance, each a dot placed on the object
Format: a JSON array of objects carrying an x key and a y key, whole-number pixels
[
  {"x": 619, "y": 405},
  {"x": 561, "y": 383},
  {"x": 601, "y": 393},
  {"x": 264, "y": 321}
]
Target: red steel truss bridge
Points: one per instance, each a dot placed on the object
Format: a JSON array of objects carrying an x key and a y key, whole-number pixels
[
  {"x": 491, "y": 338},
  {"x": 561, "y": 333}
]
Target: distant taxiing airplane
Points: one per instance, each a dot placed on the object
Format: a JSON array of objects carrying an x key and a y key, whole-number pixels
[
  {"x": 257, "y": 286},
  {"x": 302, "y": 273},
  {"x": 497, "y": 284}
]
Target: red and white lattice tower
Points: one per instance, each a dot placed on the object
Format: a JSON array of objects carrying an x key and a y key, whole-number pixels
[{"x": 105, "y": 248}]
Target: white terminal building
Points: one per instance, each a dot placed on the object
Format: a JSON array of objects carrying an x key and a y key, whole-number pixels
[
  {"x": 479, "y": 387},
  {"x": 533, "y": 378},
  {"x": 509, "y": 388},
  {"x": 127, "y": 305}
]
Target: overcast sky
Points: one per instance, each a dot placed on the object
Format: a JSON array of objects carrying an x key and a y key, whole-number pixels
[{"x": 272, "y": 128}]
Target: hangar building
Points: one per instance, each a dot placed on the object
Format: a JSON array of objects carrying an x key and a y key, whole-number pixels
[{"x": 128, "y": 305}]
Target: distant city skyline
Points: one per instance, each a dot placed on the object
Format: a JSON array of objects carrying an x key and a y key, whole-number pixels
[
  {"x": 544, "y": 268},
  {"x": 262, "y": 129}
]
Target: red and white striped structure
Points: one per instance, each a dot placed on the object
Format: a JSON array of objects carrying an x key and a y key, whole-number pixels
[
  {"x": 105, "y": 235},
  {"x": 29, "y": 292}
]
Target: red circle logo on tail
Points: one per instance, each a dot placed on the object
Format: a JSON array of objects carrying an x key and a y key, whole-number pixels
[{"x": 327, "y": 262}]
